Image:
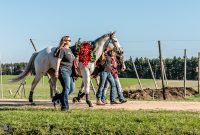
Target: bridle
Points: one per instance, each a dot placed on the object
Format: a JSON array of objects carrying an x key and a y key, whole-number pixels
[{"x": 118, "y": 50}]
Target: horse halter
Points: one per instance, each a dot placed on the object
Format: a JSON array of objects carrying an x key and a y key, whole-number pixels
[
  {"x": 110, "y": 40},
  {"x": 119, "y": 50}
]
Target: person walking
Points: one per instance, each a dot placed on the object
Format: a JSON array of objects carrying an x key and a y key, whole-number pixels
[
  {"x": 114, "y": 73},
  {"x": 104, "y": 76},
  {"x": 63, "y": 71}
]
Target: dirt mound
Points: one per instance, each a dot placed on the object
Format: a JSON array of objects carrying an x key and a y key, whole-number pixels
[{"x": 172, "y": 93}]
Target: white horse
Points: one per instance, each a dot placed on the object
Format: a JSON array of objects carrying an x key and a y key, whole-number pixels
[{"x": 44, "y": 62}]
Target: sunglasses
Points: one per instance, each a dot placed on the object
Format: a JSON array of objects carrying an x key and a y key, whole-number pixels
[{"x": 68, "y": 40}]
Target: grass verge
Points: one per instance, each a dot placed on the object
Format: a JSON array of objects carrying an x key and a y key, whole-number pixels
[{"x": 89, "y": 121}]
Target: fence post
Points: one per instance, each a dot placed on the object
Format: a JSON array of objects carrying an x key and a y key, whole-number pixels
[
  {"x": 136, "y": 74},
  {"x": 198, "y": 71},
  {"x": 33, "y": 45},
  {"x": 161, "y": 70},
  {"x": 1, "y": 80},
  {"x": 164, "y": 72},
  {"x": 152, "y": 76},
  {"x": 185, "y": 71}
]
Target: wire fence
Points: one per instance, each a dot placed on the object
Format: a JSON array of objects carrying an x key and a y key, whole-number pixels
[
  {"x": 143, "y": 48},
  {"x": 170, "y": 48}
]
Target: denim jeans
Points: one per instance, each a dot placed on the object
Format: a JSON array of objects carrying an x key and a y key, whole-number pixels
[
  {"x": 72, "y": 86},
  {"x": 104, "y": 76},
  {"x": 67, "y": 85},
  {"x": 118, "y": 87},
  {"x": 104, "y": 91}
]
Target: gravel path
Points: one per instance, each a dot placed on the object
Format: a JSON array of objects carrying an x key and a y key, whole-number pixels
[{"x": 130, "y": 105}]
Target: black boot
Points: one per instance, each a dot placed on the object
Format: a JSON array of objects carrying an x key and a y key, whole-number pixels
[{"x": 88, "y": 100}]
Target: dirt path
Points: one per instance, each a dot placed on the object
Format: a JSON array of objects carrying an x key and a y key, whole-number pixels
[{"x": 130, "y": 105}]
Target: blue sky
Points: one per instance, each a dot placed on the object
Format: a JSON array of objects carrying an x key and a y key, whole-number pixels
[{"x": 139, "y": 24}]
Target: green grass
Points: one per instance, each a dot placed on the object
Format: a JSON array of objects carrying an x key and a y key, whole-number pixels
[
  {"x": 47, "y": 121},
  {"x": 42, "y": 89},
  {"x": 26, "y": 120}
]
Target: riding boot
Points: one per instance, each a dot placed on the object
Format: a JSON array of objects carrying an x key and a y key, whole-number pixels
[{"x": 88, "y": 100}]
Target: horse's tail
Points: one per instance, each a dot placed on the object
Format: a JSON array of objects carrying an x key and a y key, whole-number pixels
[{"x": 29, "y": 68}]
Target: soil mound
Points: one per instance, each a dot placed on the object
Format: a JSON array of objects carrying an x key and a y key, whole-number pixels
[{"x": 172, "y": 93}]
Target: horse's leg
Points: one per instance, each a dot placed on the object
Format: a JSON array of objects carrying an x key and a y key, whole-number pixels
[
  {"x": 50, "y": 85},
  {"x": 54, "y": 85},
  {"x": 52, "y": 82},
  {"x": 53, "y": 90},
  {"x": 34, "y": 83},
  {"x": 81, "y": 93},
  {"x": 97, "y": 79},
  {"x": 86, "y": 80}
]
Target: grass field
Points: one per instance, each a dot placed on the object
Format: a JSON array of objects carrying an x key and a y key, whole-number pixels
[
  {"x": 47, "y": 121},
  {"x": 42, "y": 89},
  {"x": 27, "y": 120}
]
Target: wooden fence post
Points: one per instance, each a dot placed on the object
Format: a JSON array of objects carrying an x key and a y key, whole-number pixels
[
  {"x": 161, "y": 70},
  {"x": 198, "y": 72},
  {"x": 33, "y": 45},
  {"x": 137, "y": 74},
  {"x": 152, "y": 74},
  {"x": 164, "y": 72},
  {"x": 185, "y": 71},
  {"x": 156, "y": 86},
  {"x": 1, "y": 79}
]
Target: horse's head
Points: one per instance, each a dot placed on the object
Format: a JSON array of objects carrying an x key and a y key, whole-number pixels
[
  {"x": 114, "y": 44},
  {"x": 120, "y": 59},
  {"x": 112, "y": 41},
  {"x": 109, "y": 41}
]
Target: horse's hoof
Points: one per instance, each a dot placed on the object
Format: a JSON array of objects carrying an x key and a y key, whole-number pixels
[
  {"x": 74, "y": 100},
  {"x": 33, "y": 104},
  {"x": 30, "y": 100},
  {"x": 89, "y": 103}
]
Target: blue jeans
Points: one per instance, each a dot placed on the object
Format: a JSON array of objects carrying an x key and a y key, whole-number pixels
[
  {"x": 72, "y": 86},
  {"x": 104, "y": 91},
  {"x": 103, "y": 77},
  {"x": 67, "y": 84},
  {"x": 118, "y": 87}
]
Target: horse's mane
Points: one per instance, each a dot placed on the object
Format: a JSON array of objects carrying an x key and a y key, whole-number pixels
[
  {"x": 96, "y": 40},
  {"x": 73, "y": 48}
]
